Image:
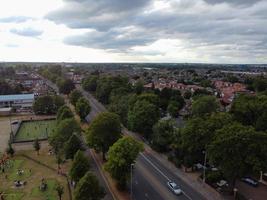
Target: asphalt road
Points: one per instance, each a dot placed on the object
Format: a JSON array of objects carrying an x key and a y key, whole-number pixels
[{"x": 150, "y": 176}]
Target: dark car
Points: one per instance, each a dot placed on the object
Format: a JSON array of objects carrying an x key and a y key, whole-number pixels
[{"x": 250, "y": 181}]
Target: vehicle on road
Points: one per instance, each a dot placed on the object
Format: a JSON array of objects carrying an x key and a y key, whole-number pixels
[
  {"x": 250, "y": 181},
  {"x": 174, "y": 188}
]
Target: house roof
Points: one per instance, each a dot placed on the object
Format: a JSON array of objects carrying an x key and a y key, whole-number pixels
[{"x": 15, "y": 97}]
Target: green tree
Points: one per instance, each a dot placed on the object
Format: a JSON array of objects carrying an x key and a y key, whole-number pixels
[
  {"x": 187, "y": 94},
  {"x": 60, "y": 190},
  {"x": 75, "y": 95},
  {"x": 65, "y": 86},
  {"x": 47, "y": 104},
  {"x": 259, "y": 84},
  {"x": 149, "y": 97},
  {"x": 205, "y": 105},
  {"x": 72, "y": 146},
  {"x": 173, "y": 108},
  {"x": 44, "y": 105},
  {"x": 139, "y": 87},
  {"x": 64, "y": 131},
  {"x": 206, "y": 83},
  {"x": 90, "y": 83},
  {"x": 121, "y": 155},
  {"x": 249, "y": 110},
  {"x": 199, "y": 132},
  {"x": 82, "y": 107},
  {"x": 104, "y": 131},
  {"x": 89, "y": 188},
  {"x": 79, "y": 167},
  {"x": 58, "y": 102},
  {"x": 142, "y": 117},
  {"x": 36, "y": 145},
  {"x": 64, "y": 112},
  {"x": 238, "y": 151},
  {"x": 120, "y": 106},
  {"x": 163, "y": 134}
]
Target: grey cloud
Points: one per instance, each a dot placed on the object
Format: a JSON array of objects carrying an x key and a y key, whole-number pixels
[
  {"x": 232, "y": 29},
  {"x": 111, "y": 40},
  {"x": 15, "y": 19},
  {"x": 27, "y": 32},
  {"x": 235, "y": 2},
  {"x": 100, "y": 14}
]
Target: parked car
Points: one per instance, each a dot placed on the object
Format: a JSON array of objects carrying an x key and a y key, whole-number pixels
[
  {"x": 250, "y": 181},
  {"x": 174, "y": 188},
  {"x": 222, "y": 183}
]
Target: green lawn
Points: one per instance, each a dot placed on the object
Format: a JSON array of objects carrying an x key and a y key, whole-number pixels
[
  {"x": 35, "y": 129},
  {"x": 49, "y": 194},
  {"x": 33, "y": 174}
]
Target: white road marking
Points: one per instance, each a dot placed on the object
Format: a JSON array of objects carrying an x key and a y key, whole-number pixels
[{"x": 156, "y": 168}]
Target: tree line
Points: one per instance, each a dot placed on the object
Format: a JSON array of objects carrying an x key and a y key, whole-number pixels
[{"x": 234, "y": 141}]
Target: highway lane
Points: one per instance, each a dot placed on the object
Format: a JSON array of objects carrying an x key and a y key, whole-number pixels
[{"x": 150, "y": 176}]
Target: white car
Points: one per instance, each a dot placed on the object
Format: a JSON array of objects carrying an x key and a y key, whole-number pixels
[{"x": 174, "y": 188}]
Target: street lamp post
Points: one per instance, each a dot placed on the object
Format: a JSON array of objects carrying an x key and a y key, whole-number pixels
[
  {"x": 204, "y": 167},
  {"x": 131, "y": 194}
]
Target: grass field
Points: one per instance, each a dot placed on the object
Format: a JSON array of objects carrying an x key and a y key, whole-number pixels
[
  {"x": 35, "y": 129},
  {"x": 33, "y": 173}
]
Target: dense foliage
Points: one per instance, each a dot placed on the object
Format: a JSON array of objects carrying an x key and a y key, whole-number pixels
[
  {"x": 88, "y": 188},
  {"x": 82, "y": 107},
  {"x": 79, "y": 167},
  {"x": 104, "y": 131},
  {"x": 47, "y": 104},
  {"x": 121, "y": 156}
]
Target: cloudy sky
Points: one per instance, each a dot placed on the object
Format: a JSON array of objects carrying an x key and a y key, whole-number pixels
[{"x": 206, "y": 31}]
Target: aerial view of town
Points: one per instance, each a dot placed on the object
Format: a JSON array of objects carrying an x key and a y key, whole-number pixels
[{"x": 133, "y": 100}]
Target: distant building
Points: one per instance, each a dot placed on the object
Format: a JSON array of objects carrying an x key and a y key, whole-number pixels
[{"x": 17, "y": 101}]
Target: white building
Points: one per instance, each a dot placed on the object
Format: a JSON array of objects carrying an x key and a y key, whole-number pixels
[{"x": 17, "y": 101}]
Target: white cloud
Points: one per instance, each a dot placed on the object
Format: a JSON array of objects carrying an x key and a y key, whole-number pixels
[{"x": 133, "y": 30}]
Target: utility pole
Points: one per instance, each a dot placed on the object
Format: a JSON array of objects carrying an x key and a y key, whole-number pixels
[
  {"x": 204, "y": 167},
  {"x": 131, "y": 194}
]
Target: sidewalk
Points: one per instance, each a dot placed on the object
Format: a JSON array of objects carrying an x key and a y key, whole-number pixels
[{"x": 204, "y": 189}]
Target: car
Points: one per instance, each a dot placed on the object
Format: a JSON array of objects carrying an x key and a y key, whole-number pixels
[
  {"x": 222, "y": 183},
  {"x": 250, "y": 181},
  {"x": 174, "y": 188}
]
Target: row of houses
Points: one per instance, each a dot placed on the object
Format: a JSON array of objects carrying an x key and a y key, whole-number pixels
[
  {"x": 225, "y": 91},
  {"x": 172, "y": 85}
]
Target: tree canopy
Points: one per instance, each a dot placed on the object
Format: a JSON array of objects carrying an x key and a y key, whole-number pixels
[
  {"x": 64, "y": 112},
  {"x": 75, "y": 95},
  {"x": 90, "y": 83},
  {"x": 238, "y": 151},
  {"x": 205, "y": 105},
  {"x": 64, "y": 131},
  {"x": 72, "y": 146},
  {"x": 79, "y": 167},
  {"x": 104, "y": 131},
  {"x": 65, "y": 86},
  {"x": 121, "y": 155},
  {"x": 47, "y": 104},
  {"x": 142, "y": 117},
  {"x": 82, "y": 107},
  {"x": 163, "y": 133},
  {"x": 89, "y": 188}
]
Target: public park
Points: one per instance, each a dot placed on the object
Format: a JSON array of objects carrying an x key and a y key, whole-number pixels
[{"x": 28, "y": 176}]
